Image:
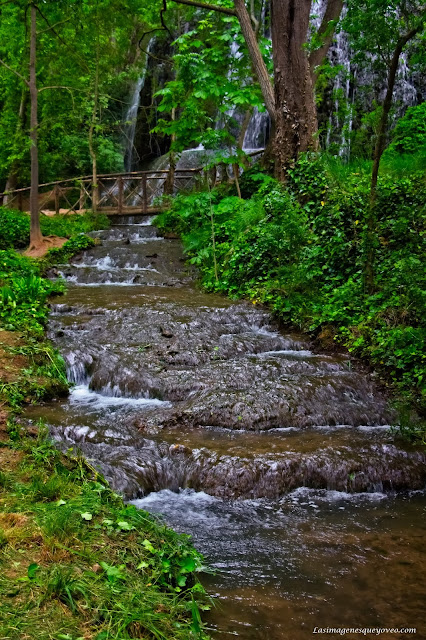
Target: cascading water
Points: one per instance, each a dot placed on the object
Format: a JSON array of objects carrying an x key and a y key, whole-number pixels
[
  {"x": 131, "y": 116},
  {"x": 277, "y": 459},
  {"x": 130, "y": 121}
]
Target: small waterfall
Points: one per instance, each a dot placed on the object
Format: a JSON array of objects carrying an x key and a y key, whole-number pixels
[
  {"x": 130, "y": 123},
  {"x": 131, "y": 116},
  {"x": 257, "y": 132}
]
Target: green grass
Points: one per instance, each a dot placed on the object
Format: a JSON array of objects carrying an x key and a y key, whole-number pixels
[{"x": 76, "y": 562}]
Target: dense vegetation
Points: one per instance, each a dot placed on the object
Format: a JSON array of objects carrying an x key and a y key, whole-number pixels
[
  {"x": 24, "y": 290},
  {"x": 301, "y": 249}
]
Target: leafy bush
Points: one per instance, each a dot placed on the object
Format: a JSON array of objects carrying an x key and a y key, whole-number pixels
[
  {"x": 70, "y": 225},
  {"x": 252, "y": 180},
  {"x": 14, "y": 229},
  {"x": 59, "y": 255},
  {"x": 409, "y": 135}
]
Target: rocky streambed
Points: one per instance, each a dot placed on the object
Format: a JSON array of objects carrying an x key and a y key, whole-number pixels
[{"x": 277, "y": 459}]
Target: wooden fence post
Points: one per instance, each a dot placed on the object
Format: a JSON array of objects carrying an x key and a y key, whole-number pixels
[
  {"x": 120, "y": 194},
  {"x": 56, "y": 194},
  {"x": 82, "y": 195},
  {"x": 145, "y": 193}
]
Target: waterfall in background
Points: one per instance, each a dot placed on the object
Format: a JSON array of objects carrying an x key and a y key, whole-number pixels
[
  {"x": 131, "y": 116},
  {"x": 257, "y": 132}
]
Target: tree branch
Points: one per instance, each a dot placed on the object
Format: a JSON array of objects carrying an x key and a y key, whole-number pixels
[
  {"x": 52, "y": 28},
  {"x": 163, "y": 24},
  {"x": 255, "y": 21},
  {"x": 205, "y": 5},
  {"x": 325, "y": 33},
  {"x": 60, "y": 87},
  {"x": 15, "y": 72}
]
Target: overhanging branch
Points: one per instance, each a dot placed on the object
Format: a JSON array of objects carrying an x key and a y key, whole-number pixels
[
  {"x": 15, "y": 72},
  {"x": 210, "y": 7}
]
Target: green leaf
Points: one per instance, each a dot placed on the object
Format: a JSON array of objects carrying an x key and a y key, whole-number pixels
[
  {"x": 148, "y": 545},
  {"x": 86, "y": 515},
  {"x": 32, "y": 570},
  {"x": 125, "y": 526}
]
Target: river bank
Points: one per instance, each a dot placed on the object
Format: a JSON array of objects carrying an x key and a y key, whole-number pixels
[
  {"x": 277, "y": 459},
  {"x": 76, "y": 561}
]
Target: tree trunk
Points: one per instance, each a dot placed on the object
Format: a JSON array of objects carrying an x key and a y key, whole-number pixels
[
  {"x": 92, "y": 151},
  {"x": 170, "y": 180},
  {"x": 371, "y": 236},
  {"x": 290, "y": 103},
  {"x": 295, "y": 112},
  {"x": 36, "y": 238},
  {"x": 257, "y": 61},
  {"x": 95, "y": 186},
  {"x": 12, "y": 179}
]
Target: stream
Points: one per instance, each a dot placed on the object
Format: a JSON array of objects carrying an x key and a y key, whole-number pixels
[{"x": 278, "y": 460}]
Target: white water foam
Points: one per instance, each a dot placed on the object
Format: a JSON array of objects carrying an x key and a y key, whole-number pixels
[
  {"x": 310, "y": 496},
  {"x": 285, "y": 352},
  {"x": 81, "y": 394},
  {"x": 187, "y": 505}
]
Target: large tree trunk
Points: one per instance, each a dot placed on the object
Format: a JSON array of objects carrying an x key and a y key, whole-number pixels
[
  {"x": 36, "y": 239},
  {"x": 290, "y": 103},
  {"x": 295, "y": 111}
]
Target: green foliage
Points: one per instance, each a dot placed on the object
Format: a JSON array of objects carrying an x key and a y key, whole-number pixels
[
  {"x": 84, "y": 70},
  {"x": 23, "y": 300},
  {"x": 300, "y": 250},
  {"x": 97, "y": 564},
  {"x": 15, "y": 226},
  {"x": 23, "y": 290},
  {"x": 66, "y": 226},
  {"x": 59, "y": 255},
  {"x": 252, "y": 179},
  {"x": 209, "y": 85},
  {"x": 409, "y": 135},
  {"x": 14, "y": 229}
]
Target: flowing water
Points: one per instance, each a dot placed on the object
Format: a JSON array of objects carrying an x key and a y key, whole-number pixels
[{"x": 277, "y": 459}]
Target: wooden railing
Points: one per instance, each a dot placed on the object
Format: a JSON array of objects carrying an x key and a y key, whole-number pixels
[{"x": 114, "y": 193}]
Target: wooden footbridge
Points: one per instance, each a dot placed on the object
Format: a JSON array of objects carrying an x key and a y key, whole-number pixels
[{"x": 129, "y": 193}]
